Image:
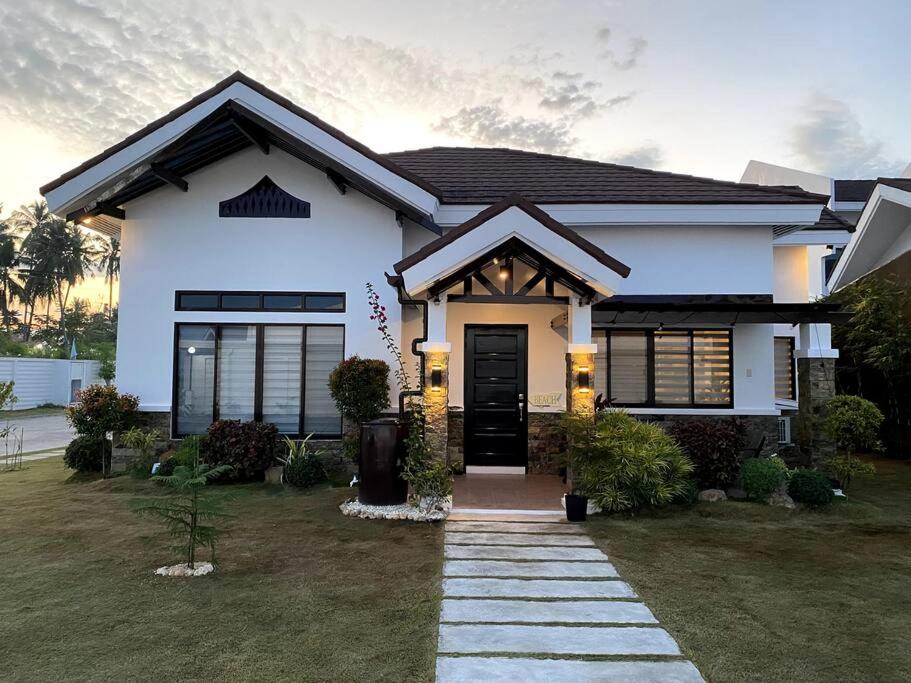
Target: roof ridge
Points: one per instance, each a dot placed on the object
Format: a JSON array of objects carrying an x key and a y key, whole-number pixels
[{"x": 791, "y": 190}]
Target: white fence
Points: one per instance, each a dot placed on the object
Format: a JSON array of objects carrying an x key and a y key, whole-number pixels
[{"x": 47, "y": 380}]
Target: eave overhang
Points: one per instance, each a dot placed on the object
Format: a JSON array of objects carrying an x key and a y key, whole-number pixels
[{"x": 672, "y": 310}]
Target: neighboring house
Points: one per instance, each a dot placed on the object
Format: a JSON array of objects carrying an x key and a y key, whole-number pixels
[{"x": 526, "y": 284}]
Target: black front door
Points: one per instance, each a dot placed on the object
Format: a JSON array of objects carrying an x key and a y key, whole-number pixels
[{"x": 496, "y": 389}]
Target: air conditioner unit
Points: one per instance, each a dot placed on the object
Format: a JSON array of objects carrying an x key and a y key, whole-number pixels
[{"x": 784, "y": 430}]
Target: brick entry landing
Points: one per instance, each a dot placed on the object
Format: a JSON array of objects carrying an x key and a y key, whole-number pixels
[{"x": 507, "y": 492}]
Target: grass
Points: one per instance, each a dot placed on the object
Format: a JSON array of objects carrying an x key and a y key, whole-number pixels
[
  {"x": 753, "y": 593},
  {"x": 31, "y": 412},
  {"x": 301, "y": 592}
]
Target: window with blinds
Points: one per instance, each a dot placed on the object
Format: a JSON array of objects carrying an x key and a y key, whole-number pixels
[
  {"x": 785, "y": 386},
  {"x": 664, "y": 368},
  {"x": 267, "y": 373}
]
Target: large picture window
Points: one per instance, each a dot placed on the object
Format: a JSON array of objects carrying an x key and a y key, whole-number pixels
[
  {"x": 268, "y": 373},
  {"x": 785, "y": 386},
  {"x": 664, "y": 368}
]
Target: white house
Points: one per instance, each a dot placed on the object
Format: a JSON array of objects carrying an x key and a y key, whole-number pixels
[{"x": 525, "y": 284}]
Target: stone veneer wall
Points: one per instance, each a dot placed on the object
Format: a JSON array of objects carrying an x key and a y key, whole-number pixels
[
  {"x": 815, "y": 386},
  {"x": 757, "y": 426}
]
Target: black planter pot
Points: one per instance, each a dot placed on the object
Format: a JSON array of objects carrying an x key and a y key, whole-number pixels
[
  {"x": 576, "y": 507},
  {"x": 380, "y": 467}
]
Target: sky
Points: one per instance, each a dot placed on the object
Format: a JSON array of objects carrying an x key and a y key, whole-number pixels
[{"x": 690, "y": 86}]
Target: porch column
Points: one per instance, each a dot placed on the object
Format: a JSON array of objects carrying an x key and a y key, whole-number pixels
[
  {"x": 436, "y": 380},
  {"x": 580, "y": 359},
  {"x": 815, "y": 386}
]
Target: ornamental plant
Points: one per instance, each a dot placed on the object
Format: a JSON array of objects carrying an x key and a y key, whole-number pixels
[
  {"x": 247, "y": 447},
  {"x": 144, "y": 442},
  {"x": 853, "y": 423},
  {"x": 189, "y": 513},
  {"x": 99, "y": 410},
  {"x": 715, "y": 447},
  {"x": 761, "y": 477},
  {"x": 810, "y": 488},
  {"x": 428, "y": 476},
  {"x": 302, "y": 466}
]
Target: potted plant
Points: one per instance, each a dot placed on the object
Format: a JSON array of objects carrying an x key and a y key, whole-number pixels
[{"x": 580, "y": 435}]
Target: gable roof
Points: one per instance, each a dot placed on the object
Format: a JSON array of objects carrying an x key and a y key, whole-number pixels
[
  {"x": 469, "y": 175},
  {"x": 539, "y": 215},
  {"x": 898, "y": 183},
  {"x": 829, "y": 220},
  {"x": 240, "y": 77},
  {"x": 853, "y": 190}
]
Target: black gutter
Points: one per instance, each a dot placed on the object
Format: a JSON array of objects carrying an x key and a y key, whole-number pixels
[{"x": 398, "y": 282}]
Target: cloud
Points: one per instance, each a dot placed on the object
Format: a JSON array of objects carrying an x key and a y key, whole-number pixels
[
  {"x": 646, "y": 156},
  {"x": 491, "y": 125},
  {"x": 829, "y": 139},
  {"x": 603, "y": 34},
  {"x": 572, "y": 98},
  {"x": 629, "y": 59}
]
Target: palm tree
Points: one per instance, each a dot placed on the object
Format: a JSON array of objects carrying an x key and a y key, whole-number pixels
[
  {"x": 109, "y": 262},
  {"x": 10, "y": 285},
  {"x": 39, "y": 283}
]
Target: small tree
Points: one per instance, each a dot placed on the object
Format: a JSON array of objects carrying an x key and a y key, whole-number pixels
[
  {"x": 185, "y": 512},
  {"x": 360, "y": 388},
  {"x": 853, "y": 423},
  {"x": 100, "y": 409}
]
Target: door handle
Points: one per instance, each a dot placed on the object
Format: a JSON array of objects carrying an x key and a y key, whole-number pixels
[{"x": 521, "y": 408}]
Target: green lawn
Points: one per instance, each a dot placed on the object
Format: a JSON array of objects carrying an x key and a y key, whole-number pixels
[
  {"x": 302, "y": 593},
  {"x": 754, "y": 593}
]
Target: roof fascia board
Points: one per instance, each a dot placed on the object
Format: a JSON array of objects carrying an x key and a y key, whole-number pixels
[
  {"x": 513, "y": 222},
  {"x": 449, "y": 215},
  {"x": 837, "y": 238},
  {"x": 847, "y": 206},
  {"x": 842, "y": 275},
  {"x": 72, "y": 193}
]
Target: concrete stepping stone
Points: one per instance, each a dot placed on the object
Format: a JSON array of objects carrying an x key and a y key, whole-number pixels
[
  {"x": 517, "y": 552},
  {"x": 535, "y": 588},
  {"x": 484, "y": 538},
  {"x": 516, "y": 527},
  {"x": 584, "y": 570},
  {"x": 503, "y": 669},
  {"x": 565, "y": 640},
  {"x": 578, "y": 612}
]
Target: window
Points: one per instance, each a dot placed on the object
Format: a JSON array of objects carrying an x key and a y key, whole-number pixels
[
  {"x": 785, "y": 387},
  {"x": 664, "y": 368},
  {"x": 268, "y": 373},
  {"x": 327, "y": 302}
]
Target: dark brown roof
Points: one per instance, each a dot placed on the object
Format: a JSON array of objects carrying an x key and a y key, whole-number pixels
[
  {"x": 829, "y": 220},
  {"x": 239, "y": 77},
  {"x": 853, "y": 190},
  {"x": 468, "y": 175},
  {"x": 900, "y": 183},
  {"x": 538, "y": 214}
]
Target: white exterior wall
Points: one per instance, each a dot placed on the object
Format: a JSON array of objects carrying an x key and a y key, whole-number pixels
[
  {"x": 791, "y": 272},
  {"x": 173, "y": 240},
  {"x": 46, "y": 380}
]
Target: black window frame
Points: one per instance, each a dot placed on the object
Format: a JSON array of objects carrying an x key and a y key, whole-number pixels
[
  {"x": 649, "y": 334},
  {"x": 258, "y": 378},
  {"x": 792, "y": 349},
  {"x": 220, "y": 294}
]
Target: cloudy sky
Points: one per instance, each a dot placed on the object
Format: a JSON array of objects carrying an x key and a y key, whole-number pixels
[{"x": 696, "y": 87}]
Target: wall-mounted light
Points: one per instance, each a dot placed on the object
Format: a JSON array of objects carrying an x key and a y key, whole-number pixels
[
  {"x": 504, "y": 271},
  {"x": 436, "y": 378},
  {"x": 191, "y": 350},
  {"x": 583, "y": 379}
]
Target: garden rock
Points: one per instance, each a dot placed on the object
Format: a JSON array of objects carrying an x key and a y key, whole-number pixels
[
  {"x": 352, "y": 508},
  {"x": 735, "y": 493},
  {"x": 712, "y": 496},
  {"x": 184, "y": 570},
  {"x": 779, "y": 499},
  {"x": 274, "y": 475}
]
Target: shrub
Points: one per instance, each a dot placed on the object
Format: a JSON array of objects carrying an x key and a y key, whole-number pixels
[
  {"x": 184, "y": 455},
  {"x": 715, "y": 448},
  {"x": 810, "y": 487},
  {"x": 83, "y": 454},
  {"x": 853, "y": 423},
  {"x": 847, "y": 467},
  {"x": 100, "y": 409},
  {"x": 144, "y": 442},
  {"x": 248, "y": 447},
  {"x": 303, "y": 467},
  {"x": 360, "y": 388},
  {"x": 631, "y": 464},
  {"x": 761, "y": 477}
]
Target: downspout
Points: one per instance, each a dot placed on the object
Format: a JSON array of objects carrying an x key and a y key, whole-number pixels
[{"x": 405, "y": 299}]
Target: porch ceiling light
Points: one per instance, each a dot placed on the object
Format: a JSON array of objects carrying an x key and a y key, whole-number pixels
[
  {"x": 191, "y": 350},
  {"x": 504, "y": 271},
  {"x": 583, "y": 379},
  {"x": 436, "y": 377}
]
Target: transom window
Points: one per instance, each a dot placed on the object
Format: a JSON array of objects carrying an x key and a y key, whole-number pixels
[
  {"x": 785, "y": 386},
  {"x": 664, "y": 368},
  {"x": 267, "y": 373},
  {"x": 310, "y": 302}
]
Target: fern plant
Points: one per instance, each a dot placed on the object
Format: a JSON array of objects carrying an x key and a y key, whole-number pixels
[{"x": 189, "y": 512}]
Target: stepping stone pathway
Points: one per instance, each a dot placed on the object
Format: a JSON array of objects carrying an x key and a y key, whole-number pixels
[{"x": 527, "y": 601}]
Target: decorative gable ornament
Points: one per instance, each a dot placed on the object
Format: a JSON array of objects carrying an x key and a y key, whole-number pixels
[{"x": 264, "y": 200}]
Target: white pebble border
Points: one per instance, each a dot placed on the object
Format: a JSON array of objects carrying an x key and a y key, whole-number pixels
[
  {"x": 352, "y": 508},
  {"x": 201, "y": 569}
]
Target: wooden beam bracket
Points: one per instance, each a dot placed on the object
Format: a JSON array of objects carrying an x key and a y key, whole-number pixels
[
  {"x": 168, "y": 176},
  {"x": 336, "y": 179}
]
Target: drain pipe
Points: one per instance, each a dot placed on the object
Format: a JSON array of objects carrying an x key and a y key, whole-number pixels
[{"x": 405, "y": 299}]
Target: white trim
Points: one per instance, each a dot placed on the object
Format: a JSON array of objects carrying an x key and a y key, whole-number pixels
[
  {"x": 494, "y": 469},
  {"x": 837, "y": 238},
  {"x": 435, "y": 347},
  {"x": 581, "y": 348},
  {"x": 847, "y": 206},
  {"x": 155, "y": 407},
  {"x": 449, "y": 215},
  {"x": 73, "y": 193},
  {"x": 700, "y": 411}
]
